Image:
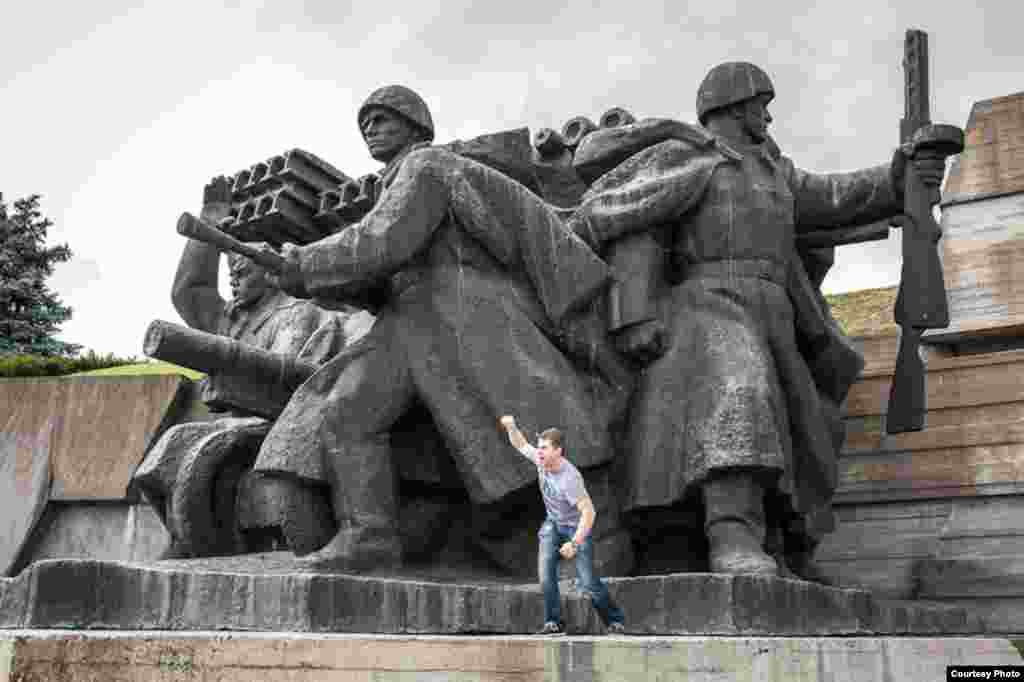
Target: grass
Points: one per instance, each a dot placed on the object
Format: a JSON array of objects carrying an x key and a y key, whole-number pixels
[
  {"x": 142, "y": 368},
  {"x": 867, "y": 312}
]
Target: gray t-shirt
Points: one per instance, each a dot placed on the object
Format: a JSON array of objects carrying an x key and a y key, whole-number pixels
[{"x": 561, "y": 489}]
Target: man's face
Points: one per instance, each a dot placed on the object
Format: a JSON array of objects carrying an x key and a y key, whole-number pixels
[
  {"x": 550, "y": 456},
  {"x": 755, "y": 117},
  {"x": 248, "y": 280},
  {"x": 386, "y": 134}
]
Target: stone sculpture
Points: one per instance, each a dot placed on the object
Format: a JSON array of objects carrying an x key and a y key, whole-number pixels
[
  {"x": 194, "y": 474},
  {"x": 487, "y": 296},
  {"x": 482, "y": 299},
  {"x": 732, "y": 413}
]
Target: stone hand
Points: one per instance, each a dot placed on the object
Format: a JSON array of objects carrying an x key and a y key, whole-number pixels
[
  {"x": 289, "y": 280},
  {"x": 216, "y": 200},
  {"x": 930, "y": 167},
  {"x": 643, "y": 342},
  {"x": 568, "y": 550}
]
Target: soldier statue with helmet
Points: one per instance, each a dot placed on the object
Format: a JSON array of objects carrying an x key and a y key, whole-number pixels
[
  {"x": 478, "y": 289},
  {"x": 734, "y": 420}
]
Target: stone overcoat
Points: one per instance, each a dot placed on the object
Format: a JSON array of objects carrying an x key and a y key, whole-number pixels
[
  {"x": 483, "y": 281},
  {"x": 733, "y": 388}
]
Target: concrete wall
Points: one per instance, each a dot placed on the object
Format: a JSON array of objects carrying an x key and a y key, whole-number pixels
[
  {"x": 954, "y": 491},
  {"x": 62, "y": 657},
  {"x": 76, "y": 441}
]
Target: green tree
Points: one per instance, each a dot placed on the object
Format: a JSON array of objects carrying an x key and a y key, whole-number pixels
[{"x": 30, "y": 313}]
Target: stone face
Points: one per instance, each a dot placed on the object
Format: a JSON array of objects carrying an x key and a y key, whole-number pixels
[{"x": 273, "y": 594}]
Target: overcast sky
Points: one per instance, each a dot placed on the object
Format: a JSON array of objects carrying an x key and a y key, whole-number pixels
[{"x": 119, "y": 112}]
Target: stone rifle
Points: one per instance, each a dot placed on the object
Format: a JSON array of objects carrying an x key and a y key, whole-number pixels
[{"x": 921, "y": 303}]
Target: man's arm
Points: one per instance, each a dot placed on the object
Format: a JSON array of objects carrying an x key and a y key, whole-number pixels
[
  {"x": 836, "y": 200},
  {"x": 194, "y": 292},
  {"x": 587, "y": 517},
  {"x": 518, "y": 440},
  {"x": 347, "y": 264}
]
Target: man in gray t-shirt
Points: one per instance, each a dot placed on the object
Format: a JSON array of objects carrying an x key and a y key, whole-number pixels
[{"x": 566, "y": 530}]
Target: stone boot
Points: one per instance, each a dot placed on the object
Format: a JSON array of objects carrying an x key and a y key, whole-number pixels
[
  {"x": 364, "y": 496},
  {"x": 734, "y": 523}
]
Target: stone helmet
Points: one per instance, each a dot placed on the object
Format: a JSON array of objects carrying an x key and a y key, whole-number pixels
[
  {"x": 731, "y": 83},
  {"x": 402, "y": 101}
]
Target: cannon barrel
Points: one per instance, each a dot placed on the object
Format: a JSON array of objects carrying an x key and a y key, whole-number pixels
[
  {"x": 615, "y": 117},
  {"x": 575, "y": 129},
  {"x": 549, "y": 142},
  {"x": 214, "y": 354}
]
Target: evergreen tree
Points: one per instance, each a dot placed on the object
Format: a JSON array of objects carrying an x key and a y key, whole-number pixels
[{"x": 30, "y": 313}]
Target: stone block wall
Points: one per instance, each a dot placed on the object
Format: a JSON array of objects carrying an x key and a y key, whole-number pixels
[{"x": 912, "y": 508}]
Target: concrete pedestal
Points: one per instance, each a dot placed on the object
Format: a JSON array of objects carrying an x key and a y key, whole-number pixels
[{"x": 63, "y": 656}]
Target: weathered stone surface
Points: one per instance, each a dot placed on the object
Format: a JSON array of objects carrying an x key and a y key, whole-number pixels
[
  {"x": 973, "y": 443},
  {"x": 241, "y": 657},
  {"x": 269, "y": 592},
  {"x": 100, "y": 427},
  {"x": 982, "y": 247},
  {"x": 992, "y": 162},
  {"x": 14, "y": 597},
  {"x": 112, "y": 532},
  {"x": 24, "y": 488}
]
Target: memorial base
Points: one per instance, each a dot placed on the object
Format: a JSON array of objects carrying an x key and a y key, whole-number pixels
[
  {"x": 62, "y": 656},
  {"x": 274, "y": 593}
]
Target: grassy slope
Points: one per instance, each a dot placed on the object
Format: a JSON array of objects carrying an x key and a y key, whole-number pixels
[
  {"x": 867, "y": 312},
  {"x": 154, "y": 367}
]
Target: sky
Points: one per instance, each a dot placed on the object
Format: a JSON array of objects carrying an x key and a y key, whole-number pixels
[{"x": 118, "y": 113}]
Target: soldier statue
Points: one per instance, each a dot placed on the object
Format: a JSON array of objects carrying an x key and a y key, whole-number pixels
[
  {"x": 734, "y": 414},
  {"x": 191, "y": 475},
  {"x": 481, "y": 296}
]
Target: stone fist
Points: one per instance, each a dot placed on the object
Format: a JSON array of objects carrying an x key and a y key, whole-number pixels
[
  {"x": 929, "y": 165},
  {"x": 289, "y": 280},
  {"x": 643, "y": 342},
  {"x": 216, "y": 200}
]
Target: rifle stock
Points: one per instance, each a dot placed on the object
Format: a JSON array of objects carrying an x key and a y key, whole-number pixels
[{"x": 921, "y": 302}]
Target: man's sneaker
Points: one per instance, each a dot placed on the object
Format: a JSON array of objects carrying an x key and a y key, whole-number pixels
[
  {"x": 615, "y": 629},
  {"x": 551, "y": 629}
]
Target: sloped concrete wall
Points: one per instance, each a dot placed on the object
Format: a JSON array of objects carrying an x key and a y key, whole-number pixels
[{"x": 77, "y": 440}]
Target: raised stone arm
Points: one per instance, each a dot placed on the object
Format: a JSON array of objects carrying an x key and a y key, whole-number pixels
[{"x": 194, "y": 292}]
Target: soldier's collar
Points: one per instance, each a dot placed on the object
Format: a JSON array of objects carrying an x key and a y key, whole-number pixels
[
  {"x": 387, "y": 174},
  {"x": 269, "y": 305}
]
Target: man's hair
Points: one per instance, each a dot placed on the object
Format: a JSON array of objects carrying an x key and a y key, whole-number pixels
[{"x": 553, "y": 436}]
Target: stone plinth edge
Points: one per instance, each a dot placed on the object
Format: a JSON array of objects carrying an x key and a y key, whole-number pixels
[
  {"x": 60, "y": 655},
  {"x": 90, "y": 594}
]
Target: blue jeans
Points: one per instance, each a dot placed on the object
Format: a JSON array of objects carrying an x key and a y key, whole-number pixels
[{"x": 552, "y": 537}]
